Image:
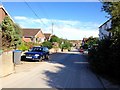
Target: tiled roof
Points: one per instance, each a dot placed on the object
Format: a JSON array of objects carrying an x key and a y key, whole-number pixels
[
  {"x": 47, "y": 35},
  {"x": 30, "y": 32}
]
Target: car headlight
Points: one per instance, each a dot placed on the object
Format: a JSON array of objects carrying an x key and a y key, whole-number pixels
[
  {"x": 23, "y": 54},
  {"x": 36, "y": 55}
]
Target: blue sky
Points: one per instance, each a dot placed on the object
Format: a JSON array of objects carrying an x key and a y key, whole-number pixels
[{"x": 72, "y": 20}]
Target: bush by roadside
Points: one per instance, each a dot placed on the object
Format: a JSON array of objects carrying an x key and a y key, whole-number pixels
[
  {"x": 47, "y": 44},
  {"x": 104, "y": 59},
  {"x": 27, "y": 45}
]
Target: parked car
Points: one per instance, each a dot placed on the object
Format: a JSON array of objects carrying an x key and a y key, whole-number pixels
[
  {"x": 81, "y": 50},
  {"x": 37, "y": 53}
]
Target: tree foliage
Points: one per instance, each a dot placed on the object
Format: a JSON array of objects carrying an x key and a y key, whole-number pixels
[
  {"x": 90, "y": 42},
  {"x": 55, "y": 39},
  {"x": 47, "y": 44},
  {"x": 105, "y": 59},
  {"x": 11, "y": 33},
  {"x": 66, "y": 45},
  {"x": 113, "y": 9}
]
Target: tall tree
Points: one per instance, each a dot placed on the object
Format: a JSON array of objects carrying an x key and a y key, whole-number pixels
[
  {"x": 11, "y": 33},
  {"x": 55, "y": 39},
  {"x": 113, "y": 9}
]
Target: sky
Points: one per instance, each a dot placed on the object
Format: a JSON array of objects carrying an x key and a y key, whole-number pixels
[{"x": 71, "y": 20}]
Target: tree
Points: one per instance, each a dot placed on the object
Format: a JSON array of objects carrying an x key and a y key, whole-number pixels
[
  {"x": 11, "y": 33},
  {"x": 47, "y": 44},
  {"x": 54, "y": 39},
  {"x": 113, "y": 10},
  {"x": 90, "y": 42},
  {"x": 105, "y": 58},
  {"x": 66, "y": 45}
]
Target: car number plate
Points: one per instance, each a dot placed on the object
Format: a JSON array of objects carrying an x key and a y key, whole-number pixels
[{"x": 28, "y": 57}]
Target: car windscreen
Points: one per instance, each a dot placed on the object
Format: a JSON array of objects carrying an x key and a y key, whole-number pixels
[{"x": 36, "y": 49}]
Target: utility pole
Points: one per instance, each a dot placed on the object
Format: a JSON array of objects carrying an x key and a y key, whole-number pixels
[{"x": 52, "y": 28}]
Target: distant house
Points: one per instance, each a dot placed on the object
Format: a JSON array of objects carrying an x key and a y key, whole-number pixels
[
  {"x": 33, "y": 35},
  {"x": 104, "y": 29},
  {"x": 84, "y": 41},
  {"x": 76, "y": 43},
  {"x": 47, "y": 36}
]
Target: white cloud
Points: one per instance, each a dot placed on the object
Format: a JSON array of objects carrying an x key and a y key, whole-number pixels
[
  {"x": 74, "y": 33},
  {"x": 67, "y": 29},
  {"x": 20, "y": 18}
]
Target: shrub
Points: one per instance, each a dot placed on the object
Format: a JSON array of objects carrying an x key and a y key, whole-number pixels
[
  {"x": 66, "y": 45},
  {"x": 47, "y": 44},
  {"x": 105, "y": 59},
  {"x": 23, "y": 47}
]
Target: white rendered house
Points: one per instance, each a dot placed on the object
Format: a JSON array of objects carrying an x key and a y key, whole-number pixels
[{"x": 104, "y": 29}]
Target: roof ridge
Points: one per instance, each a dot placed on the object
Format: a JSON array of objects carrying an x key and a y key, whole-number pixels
[{"x": 1, "y": 6}]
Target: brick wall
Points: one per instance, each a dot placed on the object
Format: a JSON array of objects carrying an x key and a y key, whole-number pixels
[{"x": 2, "y": 14}]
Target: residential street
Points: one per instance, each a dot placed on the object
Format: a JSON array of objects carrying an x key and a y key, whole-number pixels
[
  {"x": 65, "y": 70},
  {"x": 70, "y": 45}
]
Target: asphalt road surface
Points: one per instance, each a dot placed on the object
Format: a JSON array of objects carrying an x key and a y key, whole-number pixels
[{"x": 64, "y": 70}]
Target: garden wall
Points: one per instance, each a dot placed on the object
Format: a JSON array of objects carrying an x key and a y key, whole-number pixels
[{"x": 6, "y": 63}]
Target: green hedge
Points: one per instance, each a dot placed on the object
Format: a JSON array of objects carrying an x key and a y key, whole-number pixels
[{"x": 105, "y": 59}]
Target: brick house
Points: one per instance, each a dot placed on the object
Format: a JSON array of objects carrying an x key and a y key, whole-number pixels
[
  {"x": 47, "y": 36},
  {"x": 3, "y": 14},
  {"x": 33, "y": 35}
]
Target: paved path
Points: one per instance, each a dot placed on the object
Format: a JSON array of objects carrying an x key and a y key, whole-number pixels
[{"x": 65, "y": 70}]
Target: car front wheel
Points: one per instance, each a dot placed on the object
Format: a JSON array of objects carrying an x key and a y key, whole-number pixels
[{"x": 40, "y": 60}]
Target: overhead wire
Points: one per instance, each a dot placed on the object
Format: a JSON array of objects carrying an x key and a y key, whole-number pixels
[
  {"x": 34, "y": 13},
  {"x": 52, "y": 23}
]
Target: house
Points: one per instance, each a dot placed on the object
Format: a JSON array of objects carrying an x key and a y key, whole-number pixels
[
  {"x": 104, "y": 29},
  {"x": 3, "y": 14},
  {"x": 47, "y": 36},
  {"x": 33, "y": 35},
  {"x": 84, "y": 41},
  {"x": 76, "y": 43}
]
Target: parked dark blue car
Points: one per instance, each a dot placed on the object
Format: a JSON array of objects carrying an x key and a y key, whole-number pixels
[{"x": 37, "y": 53}]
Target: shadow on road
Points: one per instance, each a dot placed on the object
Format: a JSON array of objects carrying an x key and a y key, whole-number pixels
[{"x": 67, "y": 70}]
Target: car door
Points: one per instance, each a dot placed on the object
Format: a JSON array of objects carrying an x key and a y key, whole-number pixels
[{"x": 43, "y": 51}]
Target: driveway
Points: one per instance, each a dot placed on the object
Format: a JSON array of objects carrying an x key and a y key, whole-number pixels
[{"x": 64, "y": 70}]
